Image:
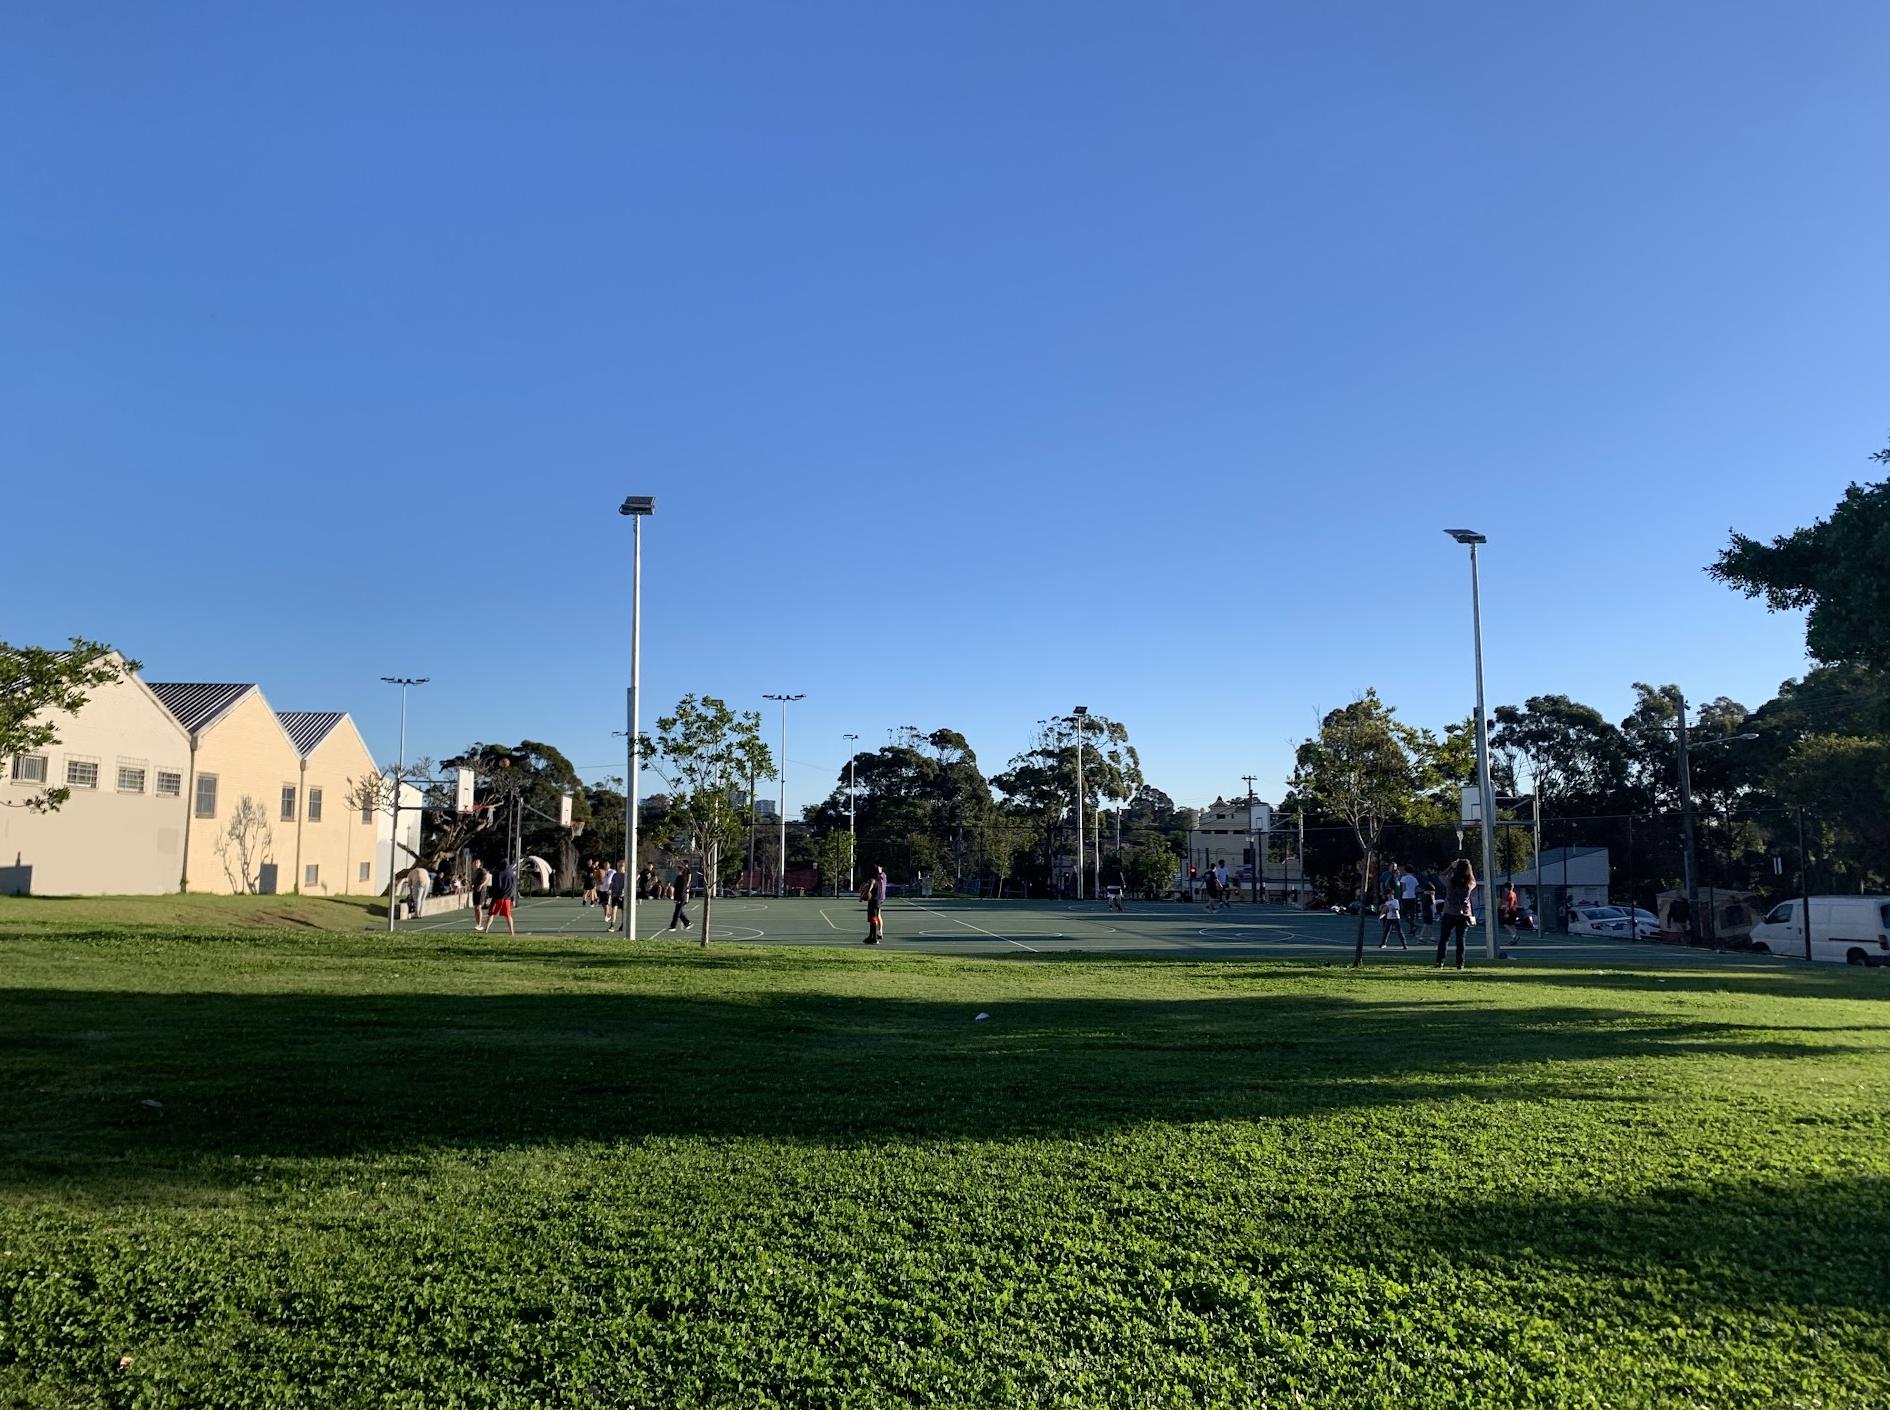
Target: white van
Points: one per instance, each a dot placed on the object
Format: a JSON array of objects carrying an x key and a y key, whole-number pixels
[{"x": 1844, "y": 929}]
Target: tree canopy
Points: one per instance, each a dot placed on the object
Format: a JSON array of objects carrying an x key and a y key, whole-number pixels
[{"x": 1833, "y": 569}]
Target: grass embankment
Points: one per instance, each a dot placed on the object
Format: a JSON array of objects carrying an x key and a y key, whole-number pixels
[
  {"x": 419, "y": 1172},
  {"x": 69, "y": 915}
]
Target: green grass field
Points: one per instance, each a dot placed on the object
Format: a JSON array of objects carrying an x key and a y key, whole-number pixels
[
  {"x": 70, "y": 915},
  {"x": 323, "y": 1169}
]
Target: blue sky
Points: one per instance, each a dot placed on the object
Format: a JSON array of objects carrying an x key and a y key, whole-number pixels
[{"x": 985, "y": 359}]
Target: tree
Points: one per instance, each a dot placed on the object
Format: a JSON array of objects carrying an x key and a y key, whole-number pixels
[
  {"x": 920, "y": 804},
  {"x": 833, "y": 855},
  {"x": 1040, "y": 784},
  {"x": 36, "y": 687},
  {"x": 524, "y": 782},
  {"x": 1574, "y": 754},
  {"x": 246, "y": 846},
  {"x": 1845, "y": 782},
  {"x": 1359, "y": 768},
  {"x": 1834, "y": 570},
  {"x": 707, "y": 753}
]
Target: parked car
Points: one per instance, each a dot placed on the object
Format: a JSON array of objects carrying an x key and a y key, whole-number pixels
[
  {"x": 1844, "y": 929},
  {"x": 1612, "y": 923}
]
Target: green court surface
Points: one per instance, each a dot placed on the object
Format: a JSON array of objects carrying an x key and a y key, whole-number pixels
[{"x": 948, "y": 926}]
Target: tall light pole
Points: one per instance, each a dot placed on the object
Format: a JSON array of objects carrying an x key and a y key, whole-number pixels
[
  {"x": 1079, "y": 718},
  {"x": 1685, "y": 761},
  {"x": 780, "y": 876},
  {"x": 636, "y": 508},
  {"x": 1486, "y": 793},
  {"x": 1256, "y": 880},
  {"x": 400, "y": 774},
  {"x": 853, "y": 841}
]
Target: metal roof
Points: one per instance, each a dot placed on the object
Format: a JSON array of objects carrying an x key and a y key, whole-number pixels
[
  {"x": 308, "y": 728},
  {"x": 198, "y": 706}
]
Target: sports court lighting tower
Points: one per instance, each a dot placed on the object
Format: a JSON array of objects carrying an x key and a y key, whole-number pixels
[
  {"x": 1078, "y": 718},
  {"x": 636, "y": 508},
  {"x": 1485, "y": 792},
  {"x": 853, "y": 841},
  {"x": 400, "y": 774},
  {"x": 780, "y": 876}
]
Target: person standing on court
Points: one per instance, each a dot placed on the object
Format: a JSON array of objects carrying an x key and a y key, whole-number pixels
[
  {"x": 619, "y": 883},
  {"x": 1390, "y": 919},
  {"x": 680, "y": 916},
  {"x": 606, "y": 886},
  {"x": 1459, "y": 888},
  {"x": 504, "y": 896},
  {"x": 1220, "y": 875},
  {"x": 874, "y": 894},
  {"x": 1407, "y": 893},
  {"x": 481, "y": 895}
]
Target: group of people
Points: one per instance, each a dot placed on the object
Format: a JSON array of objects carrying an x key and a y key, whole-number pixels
[
  {"x": 605, "y": 886},
  {"x": 1220, "y": 894},
  {"x": 1403, "y": 897}
]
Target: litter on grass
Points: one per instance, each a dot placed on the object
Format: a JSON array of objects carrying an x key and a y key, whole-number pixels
[{"x": 981, "y": 1018}]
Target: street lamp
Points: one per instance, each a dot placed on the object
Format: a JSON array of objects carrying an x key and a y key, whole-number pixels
[
  {"x": 636, "y": 508},
  {"x": 780, "y": 878},
  {"x": 400, "y": 773},
  {"x": 853, "y": 842},
  {"x": 1486, "y": 793}
]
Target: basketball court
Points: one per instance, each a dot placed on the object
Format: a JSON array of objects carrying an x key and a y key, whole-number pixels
[{"x": 945, "y": 926}]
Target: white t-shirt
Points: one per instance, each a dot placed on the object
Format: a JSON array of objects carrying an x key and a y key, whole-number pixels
[
  {"x": 1408, "y": 884},
  {"x": 1390, "y": 911},
  {"x": 1220, "y": 875}
]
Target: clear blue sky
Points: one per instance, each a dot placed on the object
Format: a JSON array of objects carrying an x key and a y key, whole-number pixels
[{"x": 985, "y": 359}]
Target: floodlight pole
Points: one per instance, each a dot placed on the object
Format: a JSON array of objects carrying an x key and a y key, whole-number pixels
[
  {"x": 636, "y": 508},
  {"x": 1077, "y": 717},
  {"x": 1255, "y": 884},
  {"x": 400, "y": 772},
  {"x": 853, "y": 741},
  {"x": 780, "y": 872},
  {"x": 1486, "y": 792}
]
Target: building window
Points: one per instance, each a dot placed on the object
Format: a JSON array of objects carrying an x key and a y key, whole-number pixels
[
  {"x": 314, "y": 805},
  {"x": 367, "y": 812},
  {"x": 131, "y": 778},
  {"x": 288, "y": 802},
  {"x": 81, "y": 773},
  {"x": 206, "y": 795},
  {"x": 169, "y": 785},
  {"x": 29, "y": 768},
  {"x": 366, "y": 870},
  {"x": 311, "y": 874}
]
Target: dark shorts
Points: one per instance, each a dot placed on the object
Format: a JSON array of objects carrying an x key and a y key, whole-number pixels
[{"x": 872, "y": 908}]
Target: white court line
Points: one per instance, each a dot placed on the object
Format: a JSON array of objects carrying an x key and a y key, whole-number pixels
[
  {"x": 829, "y": 919},
  {"x": 969, "y": 926}
]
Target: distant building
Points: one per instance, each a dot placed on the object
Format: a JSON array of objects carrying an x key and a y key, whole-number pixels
[
  {"x": 334, "y": 842},
  {"x": 1562, "y": 876},
  {"x": 121, "y": 832},
  {"x": 1224, "y": 833}
]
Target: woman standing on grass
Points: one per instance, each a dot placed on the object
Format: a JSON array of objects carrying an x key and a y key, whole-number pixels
[{"x": 1458, "y": 890}]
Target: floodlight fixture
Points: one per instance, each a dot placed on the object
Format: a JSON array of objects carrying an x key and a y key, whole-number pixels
[
  {"x": 1466, "y": 536},
  {"x": 405, "y": 680},
  {"x": 638, "y": 504}
]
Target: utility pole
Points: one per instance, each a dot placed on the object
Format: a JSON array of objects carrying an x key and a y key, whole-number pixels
[
  {"x": 1686, "y": 826},
  {"x": 1256, "y": 882},
  {"x": 853, "y": 837}
]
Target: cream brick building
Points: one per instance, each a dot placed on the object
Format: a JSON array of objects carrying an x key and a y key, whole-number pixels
[
  {"x": 334, "y": 839},
  {"x": 122, "y": 830},
  {"x": 244, "y": 790}
]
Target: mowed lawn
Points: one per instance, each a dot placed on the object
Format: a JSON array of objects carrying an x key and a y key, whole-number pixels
[{"x": 343, "y": 1170}]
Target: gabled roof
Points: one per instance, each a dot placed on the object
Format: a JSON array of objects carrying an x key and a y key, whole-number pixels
[
  {"x": 308, "y": 728},
  {"x": 197, "y": 706}
]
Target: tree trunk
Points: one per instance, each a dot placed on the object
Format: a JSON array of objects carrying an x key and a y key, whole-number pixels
[
  {"x": 1364, "y": 897},
  {"x": 714, "y": 856}
]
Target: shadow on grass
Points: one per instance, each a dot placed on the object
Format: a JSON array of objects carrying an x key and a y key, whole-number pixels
[
  {"x": 1744, "y": 1245},
  {"x": 313, "y": 1075}
]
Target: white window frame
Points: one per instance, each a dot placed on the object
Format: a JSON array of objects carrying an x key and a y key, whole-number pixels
[
  {"x": 312, "y": 874},
  {"x": 312, "y": 805},
  {"x": 82, "y": 761},
  {"x": 176, "y": 790},
  {"x": 45, "y": 768},
  {"x": 133, "y": 766},
  {"x": 367, "y": 872},
  {"x": 196, "y": 796},
  {"x": 291, "y": 798}
]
